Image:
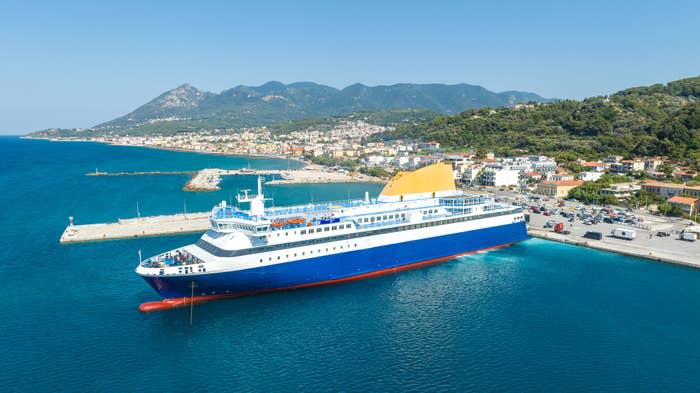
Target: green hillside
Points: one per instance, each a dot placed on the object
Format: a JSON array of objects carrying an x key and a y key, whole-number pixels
[
  {"x": 653, "y": 120},
  {"x": 187, "y": 108}
]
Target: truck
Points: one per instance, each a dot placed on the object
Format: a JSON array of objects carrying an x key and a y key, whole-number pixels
[
  {"x": 623, "y": 233},
  {"x": 689, "y": 236}
]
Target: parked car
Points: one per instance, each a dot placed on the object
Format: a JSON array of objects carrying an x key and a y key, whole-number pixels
[{"x": 663, "y": 234}]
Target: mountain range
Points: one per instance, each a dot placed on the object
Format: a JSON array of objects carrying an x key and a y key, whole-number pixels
[{"x": 187, "y": 108}]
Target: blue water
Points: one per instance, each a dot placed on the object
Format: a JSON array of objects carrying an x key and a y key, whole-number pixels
[{"x": 534, "y": 317}]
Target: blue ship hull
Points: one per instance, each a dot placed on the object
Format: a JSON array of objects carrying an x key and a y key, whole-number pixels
[{"x": 339, "y": 267}]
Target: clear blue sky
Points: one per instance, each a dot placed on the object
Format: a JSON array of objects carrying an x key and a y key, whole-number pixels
[{"x": 75, "y": 64}]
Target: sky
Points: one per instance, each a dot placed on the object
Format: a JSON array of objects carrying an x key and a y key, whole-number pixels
[{"x": 76, "y": 64}]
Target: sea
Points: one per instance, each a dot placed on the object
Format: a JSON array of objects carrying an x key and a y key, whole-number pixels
[{"x": 534, "y": 317}]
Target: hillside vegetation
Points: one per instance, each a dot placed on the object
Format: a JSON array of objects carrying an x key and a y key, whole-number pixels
[{"x": 653, "y": 120}]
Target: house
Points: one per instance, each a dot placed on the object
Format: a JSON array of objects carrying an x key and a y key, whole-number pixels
[
  {"x": 687, "y": 204},
  {"x": 620, "y": 190},
  {"x": 594, "y": 166},
  {"x": 559, "y": 176},
  {"x": 545, "y": 166},
  {"x": 625, "y": 166},
  {"x": 651, "y": 163},
  {"x": 532, "y": 176},
  {"x": 668, "y": 190},
  {"x": 375, "y": 160},
  {"x": 500, "y": 177},
  {"x": 590, "y": 176},
  {"x": 432, "y": 146},
  {"x": 557, "y": 189}
]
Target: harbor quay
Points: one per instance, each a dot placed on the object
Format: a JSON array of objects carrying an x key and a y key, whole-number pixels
[
  {"x": 210, "y": 178},
  {"x": 137, "y": 227},
  {"x": 646, "y": 244}
]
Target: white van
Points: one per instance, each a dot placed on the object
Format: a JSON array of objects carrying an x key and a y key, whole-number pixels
[
  {"x": 623, "y": 233},
  {"x": 689, "y": 236}
]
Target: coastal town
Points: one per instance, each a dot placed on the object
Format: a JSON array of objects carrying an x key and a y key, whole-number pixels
[{"x": 345, "y": 152}]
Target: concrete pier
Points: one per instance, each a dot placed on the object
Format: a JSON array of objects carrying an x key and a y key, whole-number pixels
[
  {"x": 140, "y": 173},
  {"x": 210, "y": 178},
  {"x": 137, "y": 227},
  {"x": 646, "y": 244}
]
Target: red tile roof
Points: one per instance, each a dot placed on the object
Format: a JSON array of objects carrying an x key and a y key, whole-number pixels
[
  {"x": 564, "y": 183},
  {"x": 682, "y": 200}
]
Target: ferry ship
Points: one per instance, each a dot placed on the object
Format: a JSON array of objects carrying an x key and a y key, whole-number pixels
[{"x": 419, "y": 218}]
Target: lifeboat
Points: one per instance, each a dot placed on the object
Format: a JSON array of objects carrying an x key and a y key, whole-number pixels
[
  {"x": 278, "y": 224},
  {"x": 296, "y": 221}
]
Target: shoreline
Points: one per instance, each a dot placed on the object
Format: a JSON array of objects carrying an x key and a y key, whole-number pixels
[{"x": 216, "y": 153}]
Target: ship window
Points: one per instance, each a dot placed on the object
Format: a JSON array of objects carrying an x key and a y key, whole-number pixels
[
  {"x": 295, "y": 255},
  {"x": 287, "y": 256},
  {"x": 269, "y": 259},
  {"x": 326, "y": 229},
  {"x": 303, "y": 253},
  {"x": 347, "y": 226},
  {"x": 311, "y": 231},
  {"x": 384, "y": 217},
  {"x": 286, "y": 234},
  {"x": 303, "y": 232},
  {"x": 278, "y": 257},
  {"x": 334, "y": 227},
  {"x": 372, "y": 219}
]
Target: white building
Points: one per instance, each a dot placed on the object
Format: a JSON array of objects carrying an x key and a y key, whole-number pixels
[
  {"x": 590, "y": 176},
  {"x": 545, "y": 166},
  {"x": 500, "y": 177}
]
